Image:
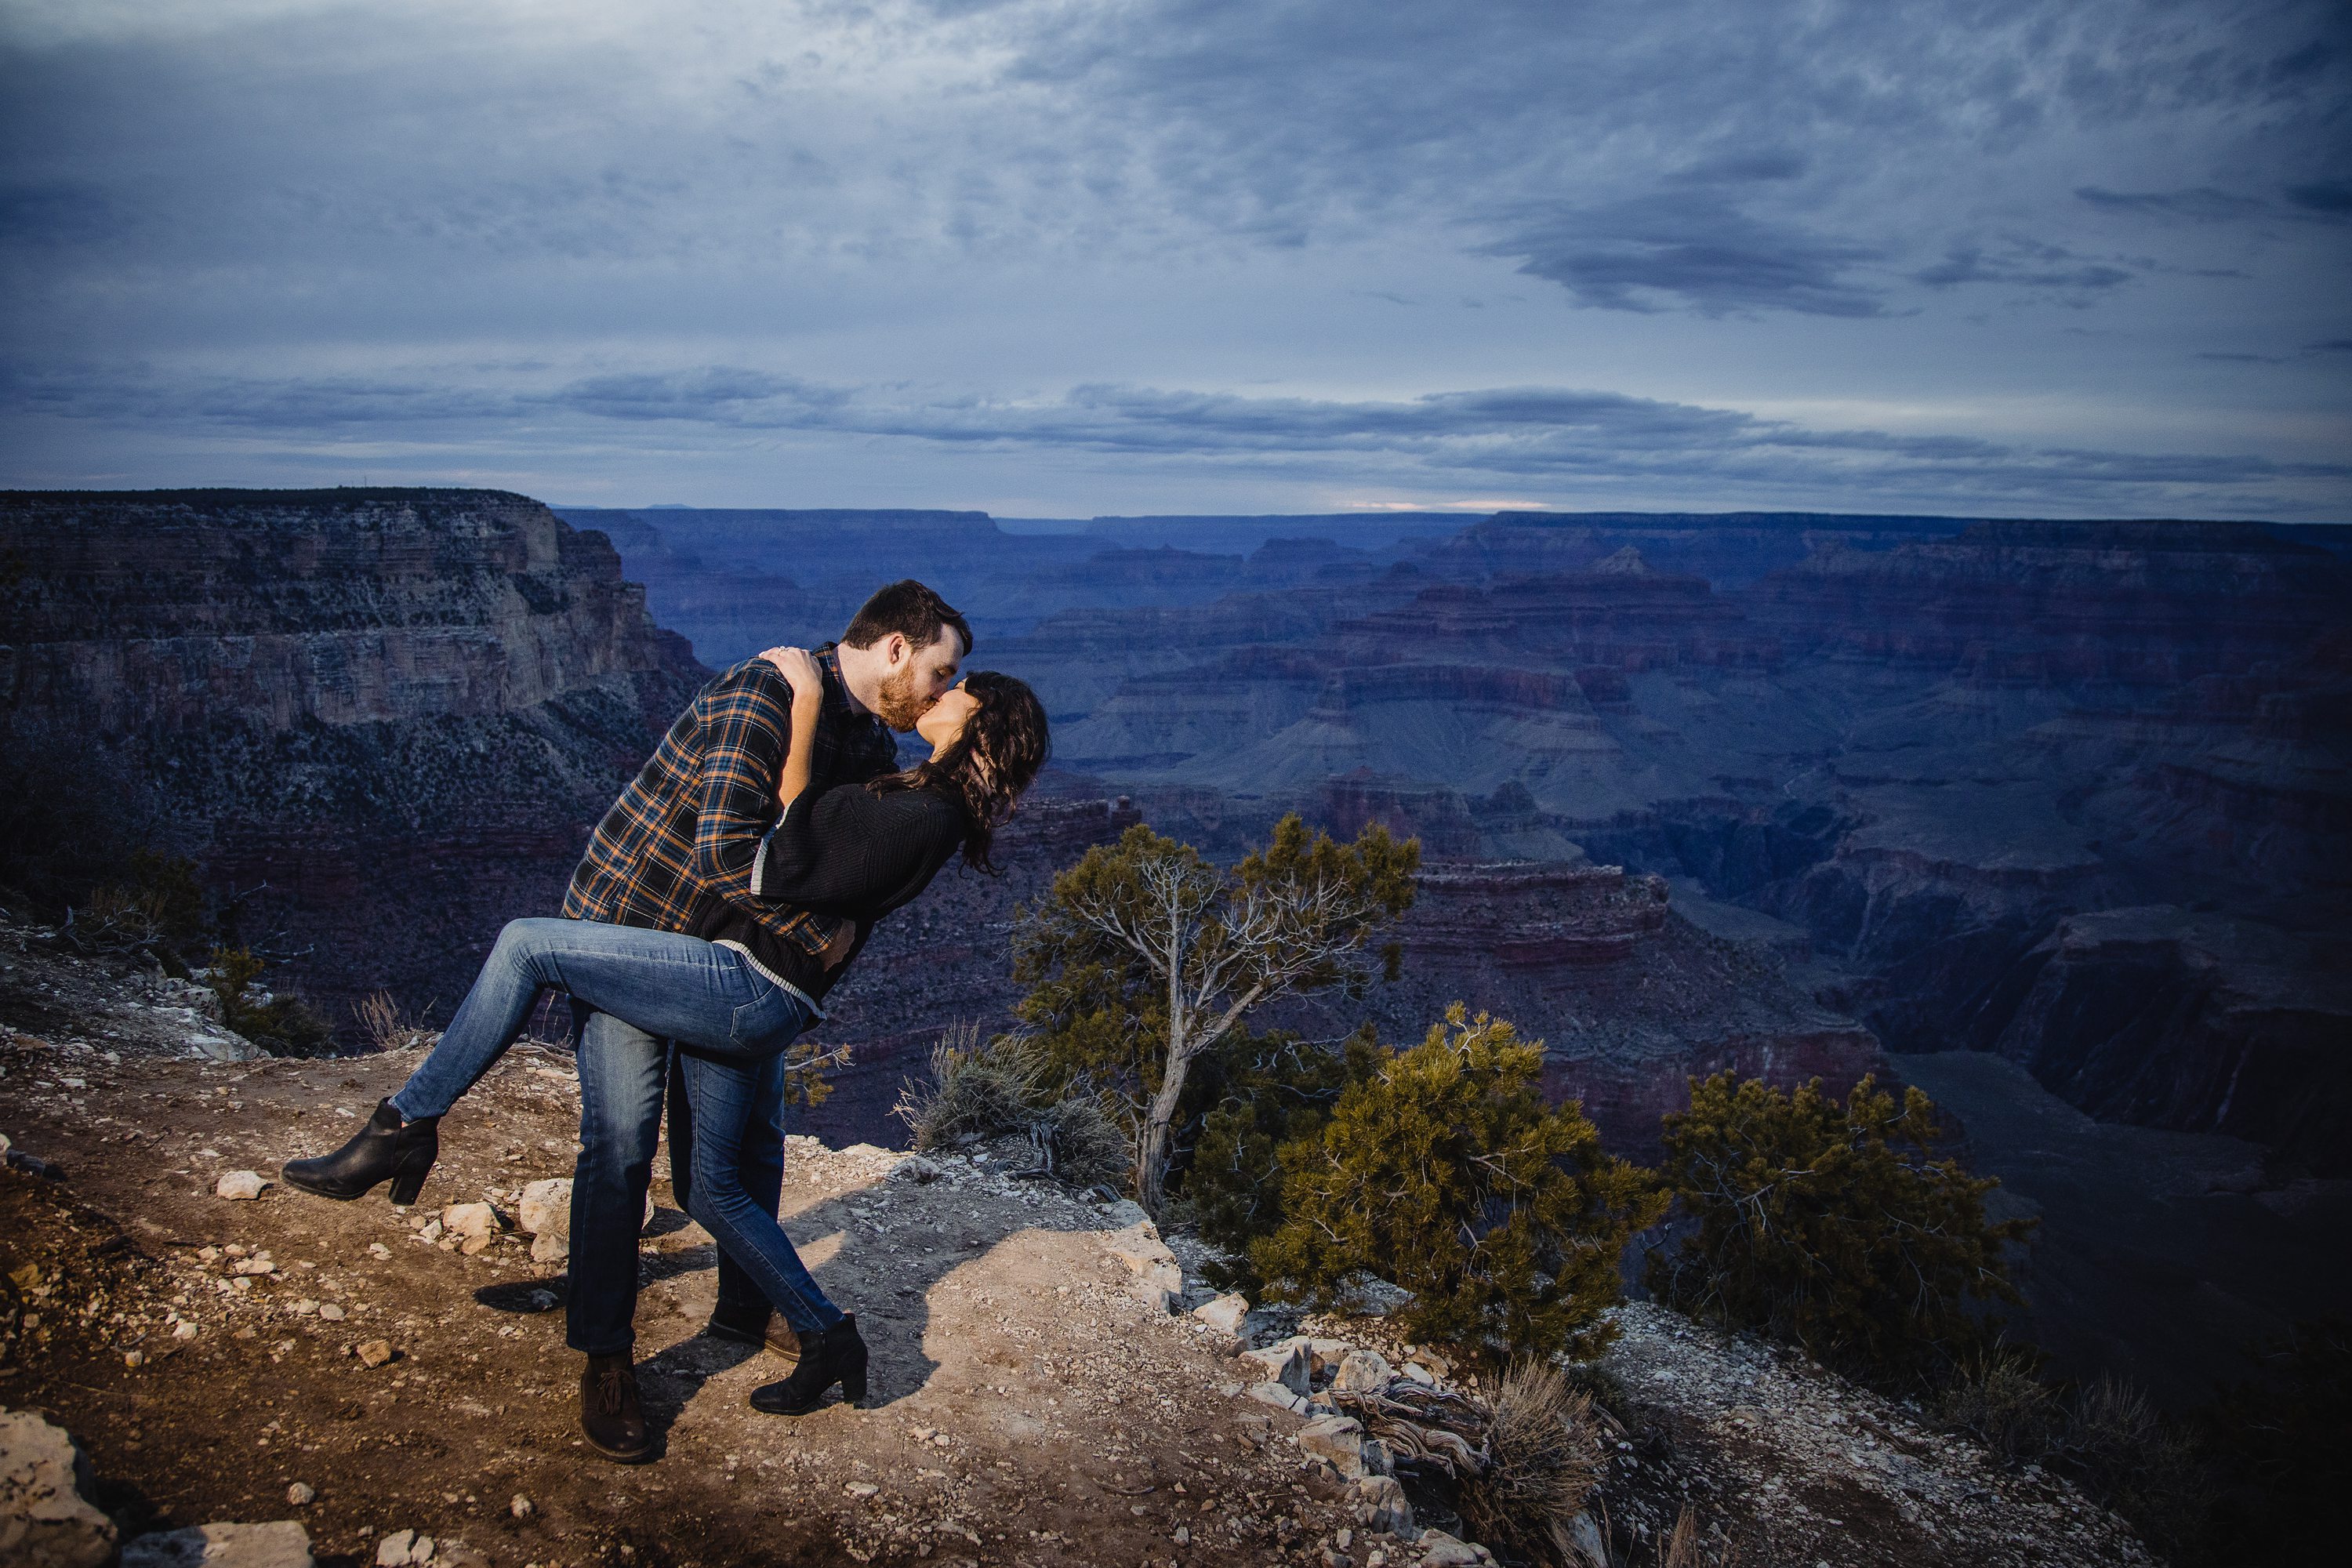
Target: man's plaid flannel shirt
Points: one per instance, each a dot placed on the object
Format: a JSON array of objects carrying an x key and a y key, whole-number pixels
[{"x": 686, "y": 832}]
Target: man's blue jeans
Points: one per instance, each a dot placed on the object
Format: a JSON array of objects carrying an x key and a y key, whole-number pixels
[
  {"x": 729, "y": 1025},
  {"x": 623, "y": 1071}
]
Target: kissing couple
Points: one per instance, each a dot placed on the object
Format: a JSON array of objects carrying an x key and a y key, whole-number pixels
[{"x": 722, "y": 896}]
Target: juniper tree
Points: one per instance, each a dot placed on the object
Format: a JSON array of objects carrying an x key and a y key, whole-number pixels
[
  {"x": 1446, "y": 1172},
  {"x": 1147, "y": 956},
  {"x": 1832, "y": 1226},
  {"x": 1265, "y": 1091}
]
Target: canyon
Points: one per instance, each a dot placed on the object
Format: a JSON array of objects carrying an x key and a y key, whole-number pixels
[
  {"x": 1791, "y": 795},
  {"x": 381, "y": 720}
]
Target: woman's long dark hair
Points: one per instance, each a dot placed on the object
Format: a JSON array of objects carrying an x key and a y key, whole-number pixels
[{"x": 1003, "y": 744}]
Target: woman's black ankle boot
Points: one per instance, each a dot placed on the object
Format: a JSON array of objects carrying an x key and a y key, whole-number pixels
[
  {"x": 836, "y": 1355},
  {"x": 387, "y": 1149}
]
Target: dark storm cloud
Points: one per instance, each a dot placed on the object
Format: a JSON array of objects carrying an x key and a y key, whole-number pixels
[
  {"x": 2024, "y": 264},
  {"x": 2204, "y": 203},
  {"x": 2333, "y": 198},
  {"x": 1692, "y": 251}
]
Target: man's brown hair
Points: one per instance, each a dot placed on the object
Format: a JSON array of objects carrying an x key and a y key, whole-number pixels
[{"x": 910, "y": 609}]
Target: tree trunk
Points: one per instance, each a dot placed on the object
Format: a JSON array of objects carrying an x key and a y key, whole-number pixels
[{"x": 1159, "y": 1130}]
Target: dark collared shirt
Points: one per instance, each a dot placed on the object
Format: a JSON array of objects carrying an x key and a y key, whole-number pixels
[{"x": 676, "y": 852}]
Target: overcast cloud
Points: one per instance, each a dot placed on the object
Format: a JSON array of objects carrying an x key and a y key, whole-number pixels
[{"x": 1066, "y": 256}]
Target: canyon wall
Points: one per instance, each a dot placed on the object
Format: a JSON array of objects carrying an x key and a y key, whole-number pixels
[
  {"x": 1914, "y": 753},
  {"x": 384, "y": 720},
  {"x": 1923, "y": 745}
]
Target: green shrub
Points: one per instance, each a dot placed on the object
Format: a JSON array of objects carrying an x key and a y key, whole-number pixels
[
  {"x": 1446, "y": 1173},
  {"x": 1828, "y": 1226},
  {"x": 281, "y": 1024},
  {"x": 1270, "y": 1090},
  {"x": 2137, "y": 1461}
]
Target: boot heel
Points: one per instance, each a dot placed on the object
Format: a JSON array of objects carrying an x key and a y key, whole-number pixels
[
  {"x": 853, "y": 1388},
  {"x": 407, "y": 1184}
]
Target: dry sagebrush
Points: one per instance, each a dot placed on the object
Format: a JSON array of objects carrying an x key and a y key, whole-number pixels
[{"x": 1543, "y": 1460}]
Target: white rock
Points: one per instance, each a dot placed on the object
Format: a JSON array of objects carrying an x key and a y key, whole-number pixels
[
  {"x": 239, "y": 1185},
  {"x": 1381, "y": 1504},
  {"x": 471, "y": 1220},
  {"x": 301, "y": 1494},
  {"x": 915, "y": 1168},
  {"x": 281, "y": 1543},
  {"x": 521, "y": 1507},
  {"x": 332, "y": 1312},
  {"x": 403, "y": 1547},
  {"x": 1361, "y": 1371},
  {"x": 1420, "y": 1374},
  {"x": 1439, "y": 1550},
  {"x": 545, "y": 1211},
  {"x": 1338, "y": 1438},
  {"x": 1226, "y": 1313},
  {"x": 1289, "y": 1363},
  {"x": 1274, "y": 1394},
  {"x": 1159, "y": 1277},
  {"x": 45, "y": 1521},
  {"x": 1326, "y": 1354}
]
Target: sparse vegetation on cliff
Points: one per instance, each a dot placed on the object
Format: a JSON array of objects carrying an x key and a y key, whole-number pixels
[
  {"x": 1145, "y": 958},
  {"x": 1448, "y": 1172},
  {"x": 284, "y": 1025},
  {"x": 983, "y": 1087},
  {"x": 1829, "y": 1225},
  {"x": 1268, "y": 1091}
]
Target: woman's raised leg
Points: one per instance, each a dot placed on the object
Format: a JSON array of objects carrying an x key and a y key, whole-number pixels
[{"x": 678, "y": 986}]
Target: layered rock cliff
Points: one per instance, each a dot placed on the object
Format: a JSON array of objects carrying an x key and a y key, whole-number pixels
[{"x": 384, "y": 718}]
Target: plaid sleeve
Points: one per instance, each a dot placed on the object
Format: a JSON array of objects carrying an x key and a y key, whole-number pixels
[{"x": 746, "y": 731}]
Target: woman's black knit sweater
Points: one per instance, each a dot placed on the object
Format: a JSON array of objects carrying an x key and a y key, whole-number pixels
[{"x": 848, "y": 852}]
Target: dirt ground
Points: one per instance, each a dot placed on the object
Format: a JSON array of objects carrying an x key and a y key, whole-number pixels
[
  {"x": 1027, "y": 1408},
  {"x": 219, "y": 1361}
]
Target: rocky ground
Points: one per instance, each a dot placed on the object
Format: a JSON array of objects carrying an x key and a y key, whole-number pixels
[{"x": 395, "y": 1383}]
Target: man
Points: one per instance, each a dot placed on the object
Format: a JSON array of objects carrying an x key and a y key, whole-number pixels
[{"x": 682, "y": 839}]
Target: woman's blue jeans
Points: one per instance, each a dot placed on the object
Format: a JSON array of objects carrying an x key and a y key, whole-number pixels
[{"x": 729, "y": 1021}]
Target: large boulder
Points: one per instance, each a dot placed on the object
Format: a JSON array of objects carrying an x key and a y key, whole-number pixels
[
  {"x": 1226, "y": 1313},
  {"x": 45, "y": 1519}
]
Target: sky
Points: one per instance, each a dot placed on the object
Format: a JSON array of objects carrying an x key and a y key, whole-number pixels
[{"x": 1069, "y": 257}]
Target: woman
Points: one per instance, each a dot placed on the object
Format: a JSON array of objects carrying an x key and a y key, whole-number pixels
[{"x": 857, "y": 852}]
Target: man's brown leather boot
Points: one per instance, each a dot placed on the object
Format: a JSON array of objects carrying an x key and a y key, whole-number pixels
[
  {"x": 610, "y": 1415},
  {"x": 761, "y": 1325}
]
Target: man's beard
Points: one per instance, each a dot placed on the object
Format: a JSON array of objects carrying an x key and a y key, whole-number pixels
[{"x": 897, "y": 704}]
